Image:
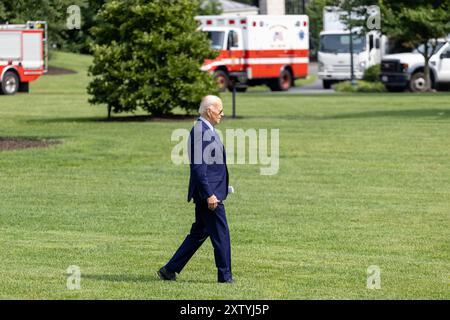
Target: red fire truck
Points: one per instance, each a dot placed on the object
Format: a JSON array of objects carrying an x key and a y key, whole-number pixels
[
  {"x": 257, "y": 49},
  {"x": 23, "y": 55}
]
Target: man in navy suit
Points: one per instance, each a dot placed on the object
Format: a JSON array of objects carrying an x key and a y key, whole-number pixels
[{"x": 208, "y": 187}]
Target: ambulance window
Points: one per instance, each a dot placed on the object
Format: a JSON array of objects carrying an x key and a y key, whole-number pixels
[
  {"x": 216, "y": 38},
  {"x": 233, "y": 39}
]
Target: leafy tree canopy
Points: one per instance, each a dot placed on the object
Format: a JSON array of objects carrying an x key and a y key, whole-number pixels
[{"x": 147, "y": 55}]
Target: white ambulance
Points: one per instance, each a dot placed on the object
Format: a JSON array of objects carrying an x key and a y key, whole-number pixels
[
  {"x": 257, "y": 49},
  {"x": 23, "y": 55}
]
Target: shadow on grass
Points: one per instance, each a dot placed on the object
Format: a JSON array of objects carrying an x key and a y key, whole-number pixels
[
  {"x": 435, "y": 114},
  {"x": 136, "y": 278},
  {"x": 140, "y": 118},
  {"x": 122, "y": 277},
  {"x": 413, "y": 113}
]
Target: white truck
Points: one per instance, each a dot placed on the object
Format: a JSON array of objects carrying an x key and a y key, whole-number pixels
[
  {"x": 257, "y": 49},
  {"x": 23, "y": 55},
  {"x": 406, "y": 70},
  {"x": 334, "y": 51}
]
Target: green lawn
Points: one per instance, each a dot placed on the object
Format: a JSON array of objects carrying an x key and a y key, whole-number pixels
[{"x": 363, "y": 180}]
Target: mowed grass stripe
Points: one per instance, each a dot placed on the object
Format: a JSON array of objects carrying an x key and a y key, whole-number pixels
[{"x": 363, "y": 180}]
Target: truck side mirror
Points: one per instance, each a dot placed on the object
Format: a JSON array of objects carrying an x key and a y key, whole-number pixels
[
  {"x": 229, "y": 40},
  {"x": 232, "y": 40},
  {"x": 377, "y": 43}
]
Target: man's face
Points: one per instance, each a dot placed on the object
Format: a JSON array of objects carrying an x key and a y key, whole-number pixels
[{"x": 215, "y": 113}]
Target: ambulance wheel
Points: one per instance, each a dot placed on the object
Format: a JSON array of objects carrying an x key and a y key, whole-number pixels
[
  {"x": 10, "y": 83},
  {"x": 283, "y": 83},
  {"x": 222, "y": 79}
]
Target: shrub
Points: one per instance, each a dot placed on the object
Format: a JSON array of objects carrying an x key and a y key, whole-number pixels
[
  {"x": 362, "y": 86},
  {"x": 147, "y": 55},
  {"x": 372, "y": 74}
]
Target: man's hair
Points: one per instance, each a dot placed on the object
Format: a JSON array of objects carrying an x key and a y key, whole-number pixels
[{"x": 207, "y": 101}]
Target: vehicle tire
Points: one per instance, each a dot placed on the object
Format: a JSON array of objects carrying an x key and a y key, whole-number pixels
[
  {"x": 24, "y": 87},
  {"x": 10, "y": 83},
  {"x": 417, "y": 82},
  {"x": 283, "y": 83},
  {"x": 394, "y": 88},
  {"x": 326, "y": 84},
  {"x": 443, "y": 86},
  {"x": 222, "y": 79},
  {"x": 241, "y": 89}
]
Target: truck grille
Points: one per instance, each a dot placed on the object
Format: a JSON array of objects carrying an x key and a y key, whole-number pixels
[
  {"x": 390, "y": 66},
  {"x": 341, "y": 67}
]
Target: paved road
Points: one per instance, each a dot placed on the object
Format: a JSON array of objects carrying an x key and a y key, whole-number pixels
[{"x": 315, "y": 87}]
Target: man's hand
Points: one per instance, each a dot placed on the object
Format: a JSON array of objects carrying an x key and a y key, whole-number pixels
[{"x": 212, "y": 202}]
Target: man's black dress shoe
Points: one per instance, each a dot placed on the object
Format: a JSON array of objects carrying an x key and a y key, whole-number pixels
[
  {"x": 227, "y": 281},
  {"x": 164, "y": 274}
]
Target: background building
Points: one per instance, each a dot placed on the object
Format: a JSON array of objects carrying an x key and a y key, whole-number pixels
[
  {"x": 273, "y": 7},
  {"x": 233, "y": 8}
]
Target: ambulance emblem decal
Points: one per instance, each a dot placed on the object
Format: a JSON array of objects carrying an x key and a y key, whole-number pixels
[
  {"x": 301, "y": 34},
  {"x": 278, "y": 36}
]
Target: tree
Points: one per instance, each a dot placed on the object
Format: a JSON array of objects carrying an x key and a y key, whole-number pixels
[
  {"x": 2, "y": 12},
  {"x": 52, "y": 11},
  {"x": 418, "y": 22},
  {"x": 314, "y": 10},
  {"x": 355, "y": 20},
  {"x": 209, "y": 7},
  {"x": 79, "y": 40},
  {"x": 147, "y": 55}
]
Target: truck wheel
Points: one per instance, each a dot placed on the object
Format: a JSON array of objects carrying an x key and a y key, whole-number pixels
[
  {"x": 443, "y": 86},
  {"x": 222, "y": 79},
  {"x": 283, "y": 83},
  {"x": 394, "y": 89},
  {"x": 326, "y": 84},
  {"x": 241, "y": 89},
  {"x": 417, "y": 82},
  {"x": 10, "y": 83}
]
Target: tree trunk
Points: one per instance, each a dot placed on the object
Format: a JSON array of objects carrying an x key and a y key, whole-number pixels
[
  {"x": 426, "y": 69},
  {"x": 352, "y": 64}
]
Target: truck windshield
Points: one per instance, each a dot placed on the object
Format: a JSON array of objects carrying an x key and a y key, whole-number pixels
[
  {"x": 216, "y": 38},
  {"x": 340, "y": 43},
  {"x": 421, "y": 48}
]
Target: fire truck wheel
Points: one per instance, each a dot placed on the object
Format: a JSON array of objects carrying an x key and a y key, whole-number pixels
[
  {"x": 10, "y": 83},
  {"x": 283, "y": 83},
  {"x": 222, "y": 80}
]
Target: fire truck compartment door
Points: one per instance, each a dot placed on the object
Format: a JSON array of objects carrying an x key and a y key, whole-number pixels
[
  {"x": 32, "y": 51},
  {"x": 10, "y": 45}
]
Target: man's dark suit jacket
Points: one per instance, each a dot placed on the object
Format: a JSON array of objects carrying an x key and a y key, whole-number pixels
[{"x": 209, "y": 172}]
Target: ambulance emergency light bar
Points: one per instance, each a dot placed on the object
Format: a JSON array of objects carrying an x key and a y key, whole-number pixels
[{"x": 222, "y": 22}]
